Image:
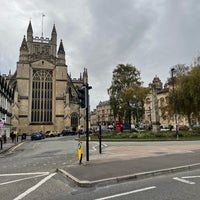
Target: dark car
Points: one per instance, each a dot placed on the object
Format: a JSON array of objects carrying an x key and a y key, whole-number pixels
[
  {"x": 68, "y": 132},
  {"x": 37, "y": 136}
]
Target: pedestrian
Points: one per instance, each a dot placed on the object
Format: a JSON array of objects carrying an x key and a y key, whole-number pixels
[
  {"x": 121, "y": 128},
  {"x": 15, "y": 136},
  {"x": 4, "y": 137},
  {"x": 12, "y": 136}
]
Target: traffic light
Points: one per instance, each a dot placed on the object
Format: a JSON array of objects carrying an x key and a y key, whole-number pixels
[{"x": 82, "y": 97}]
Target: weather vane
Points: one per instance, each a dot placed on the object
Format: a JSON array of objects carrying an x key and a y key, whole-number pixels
[{"x": 43, "y": 15}]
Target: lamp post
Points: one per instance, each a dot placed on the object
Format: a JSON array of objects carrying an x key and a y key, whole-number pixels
[{"x": 174, "y": 102}]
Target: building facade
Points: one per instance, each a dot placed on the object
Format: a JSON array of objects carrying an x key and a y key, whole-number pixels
[
  {"x": 104, "y": 114},
  {"x": 6, "y": 99},
  {"x": 45, "y": 96},
  {"x": 165, "y": 116}
]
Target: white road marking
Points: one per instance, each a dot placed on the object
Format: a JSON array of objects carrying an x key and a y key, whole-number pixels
[
  {"x": 22, "y": 179},
  {"x": 190, "y": 177},
  {"x": 21, "y": 196},
  {"x": 97, "y": 145},
  {"x": 16, "y": 147},
  {"x": 105, "y": 144},
  {"x": 28, "y": 173},
  {"x": 183, "y": 180},
  {"x": 126, "y": 193}
]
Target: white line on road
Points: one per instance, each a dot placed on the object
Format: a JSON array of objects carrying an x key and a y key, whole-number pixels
[
  {"x": 21, "y": 179},
  {"x": 190, "y": 177},
  {"x": 21, "y": 196},
  {"x": 12, "y": 149},
  {"x": 126, "y": 193},
  {"x": 183, "y": 180},
  {"x": 28, "y": 173},
  {"x": 97, "y": 145}
]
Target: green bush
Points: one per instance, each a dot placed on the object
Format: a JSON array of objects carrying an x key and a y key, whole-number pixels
[{"x": 148, "y": 135}]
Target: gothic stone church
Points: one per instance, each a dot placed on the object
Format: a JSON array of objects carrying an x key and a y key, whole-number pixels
[{"x": 45, "y": 95}]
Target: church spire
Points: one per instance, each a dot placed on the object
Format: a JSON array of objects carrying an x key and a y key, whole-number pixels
[
  {"x": 85, "y": 76},
  {"x": 61, "y": 54},
  {"x": 54, "y": 35},
  {"x": 61, "y": 48},
  {"x": 24, "y": 46},
  {"x": 30, "y": 32},
  {"x": 23, "y": 57},
  {"x": 54, "y": 30}
]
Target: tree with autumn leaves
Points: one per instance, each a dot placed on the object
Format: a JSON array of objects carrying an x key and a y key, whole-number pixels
[
  {"x": 185, "y": 99},
  {"x": 127, "y": 94}
]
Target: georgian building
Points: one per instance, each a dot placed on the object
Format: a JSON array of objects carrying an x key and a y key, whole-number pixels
[
  {"x": 104, "y": 114},
  {"x": 45, "y": 95},
  {"x": 166, "y": 118},
  {"x": 6, "y": 99},
  {"x": 93, "y": 118}
]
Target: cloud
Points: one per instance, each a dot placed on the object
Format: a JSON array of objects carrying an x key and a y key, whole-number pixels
[{"x": 100, "y": 34}]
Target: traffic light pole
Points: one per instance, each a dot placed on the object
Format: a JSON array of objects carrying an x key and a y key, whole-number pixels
[
  {"x": 87, "y": 129},
  {"x": 87, "y": 119},
  {"x": 84, "y": 103}
]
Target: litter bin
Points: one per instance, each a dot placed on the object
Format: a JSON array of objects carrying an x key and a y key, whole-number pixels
[{"x": 24, "y": 136}]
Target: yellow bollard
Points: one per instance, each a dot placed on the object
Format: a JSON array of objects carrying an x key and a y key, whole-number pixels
[{"x": 80, "y": 152}]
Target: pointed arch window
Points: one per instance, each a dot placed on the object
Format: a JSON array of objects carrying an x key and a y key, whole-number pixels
[
  {"x": 74, "y": 120},
  {"x": 42, "y": 96}
]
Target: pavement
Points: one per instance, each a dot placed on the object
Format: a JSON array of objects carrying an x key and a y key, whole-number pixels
[
  {"x": 6, "y": 146},
  {"x": 134, "y": 161},
  {"x": 125, "y": 161}
]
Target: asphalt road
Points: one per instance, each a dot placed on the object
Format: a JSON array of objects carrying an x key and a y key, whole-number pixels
[
  {"x": 178, "y": 186},
  {"x": 41, "y": 155},
  {"x": 30, "y": 169},
  {"x": 29, "y": 172}
]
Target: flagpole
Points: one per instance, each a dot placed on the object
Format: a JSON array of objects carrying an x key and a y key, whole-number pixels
[{"x": 42, "y": 23}]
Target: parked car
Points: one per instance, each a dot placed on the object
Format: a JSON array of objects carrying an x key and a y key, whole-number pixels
[
  {"x": 37, "y": 136},
  {"x": 165, "y": 129},
  {"x": 196, "y": 126},
  {"x": 52, "y": 133},
  {"x": 111, "y": 127},
  {"x": 68, "y": 132},
  {"x": 183, "y": 128}
]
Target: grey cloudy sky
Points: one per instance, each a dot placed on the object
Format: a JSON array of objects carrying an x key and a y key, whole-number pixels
[{"x": 152, "y": 35}]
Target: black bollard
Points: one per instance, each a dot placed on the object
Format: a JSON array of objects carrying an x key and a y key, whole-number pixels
[
  {"x": 100, "y": 139},
  {"x": 1, "y": 143}
]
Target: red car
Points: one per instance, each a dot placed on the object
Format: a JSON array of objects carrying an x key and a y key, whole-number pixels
[{"x": 183, "y": 128}]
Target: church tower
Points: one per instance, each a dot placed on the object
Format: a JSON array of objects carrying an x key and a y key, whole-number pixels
[{"x": 45, "y": 96}]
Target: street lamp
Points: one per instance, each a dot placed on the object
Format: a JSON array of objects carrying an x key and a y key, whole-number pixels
[{"x": 174, "y": 102}]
